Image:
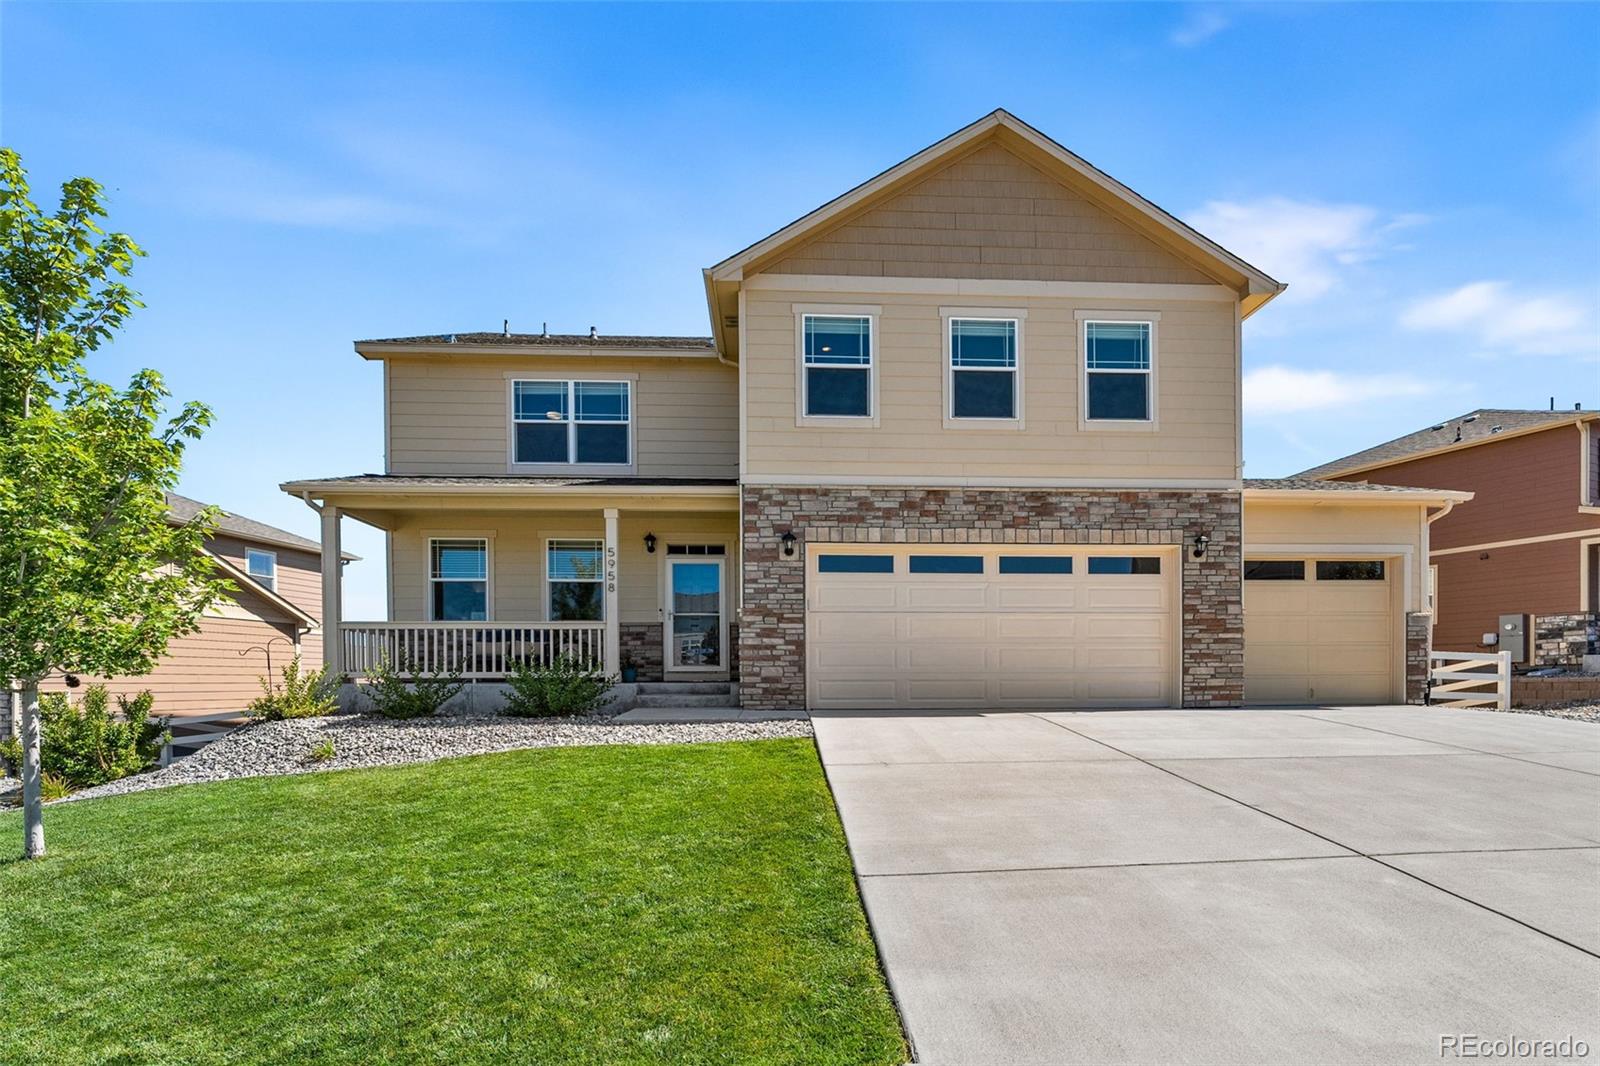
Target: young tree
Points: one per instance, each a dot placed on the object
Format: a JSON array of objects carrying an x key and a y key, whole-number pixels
[{"x": 93, "y": 578}]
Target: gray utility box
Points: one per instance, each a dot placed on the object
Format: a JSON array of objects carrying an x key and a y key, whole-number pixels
[{"x": 1514, "y": 629}]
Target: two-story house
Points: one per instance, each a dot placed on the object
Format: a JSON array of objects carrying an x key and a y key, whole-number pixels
[
  {"x": 1529, "y": 542},
  {"x": 966, "y": 436}
]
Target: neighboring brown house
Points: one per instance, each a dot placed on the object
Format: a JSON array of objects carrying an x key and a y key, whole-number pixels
[
  {"x": 277, "y": 606},
  {"x": 1529, "y": 540}
]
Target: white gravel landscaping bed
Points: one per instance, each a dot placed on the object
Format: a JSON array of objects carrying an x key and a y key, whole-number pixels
[
  {"x": 1581, "y": 712},
  {"x": 274, "y": 748}
]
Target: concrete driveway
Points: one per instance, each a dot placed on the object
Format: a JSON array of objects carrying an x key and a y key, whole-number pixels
[{"x": 1307, "y": 885}]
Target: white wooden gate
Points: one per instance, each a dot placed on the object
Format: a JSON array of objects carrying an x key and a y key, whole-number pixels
[{"x": 1469, "y": 679}]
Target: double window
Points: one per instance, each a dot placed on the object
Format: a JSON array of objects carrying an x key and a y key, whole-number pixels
[
  {"x": 583, "y": 423},
  {"x": 262, "y": 566},
  {"x": 836, "y": 357},
  {"x": 1325, "y": 569},
  {"x": 458, "y": 580},
  {"x": 1118, "y": 363},
  {"x": 983, "y": 368},
  {"x": 575, "y": 573}
]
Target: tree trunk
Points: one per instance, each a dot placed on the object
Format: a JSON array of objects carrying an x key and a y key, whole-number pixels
[{"x": 32, "y": 802}]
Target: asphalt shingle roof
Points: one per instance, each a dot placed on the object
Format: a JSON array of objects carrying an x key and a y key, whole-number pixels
[
  {"x": 183, "y": 509},
  {"x": 1468, "y": 428},
  {"x": 556, "y": 340},
  {"x": 1313, "y": 485}
]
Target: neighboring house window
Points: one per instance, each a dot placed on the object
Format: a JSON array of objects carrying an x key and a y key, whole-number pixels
[
  {"x": 1117, "y": 363},
  {"x": 983, "y": 368},
  {"x": 263, "y": 568},
  {"x": 459, "y": 580},
  {"x": 574, "y": 571},
  {"x": 572, "y": 422},
  {"x": 837, "y": 366}
]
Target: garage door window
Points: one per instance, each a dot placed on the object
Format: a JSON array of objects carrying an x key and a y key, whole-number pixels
[
  {"x": 1036, "y": 564},
  {"x": 1350, "y": 570},
  {"x": 855, "y": 564},
  {"x": 1124, "y": 564},
  {"x": 947, "y": 564},
  {"x": 1274, "y": 570}
]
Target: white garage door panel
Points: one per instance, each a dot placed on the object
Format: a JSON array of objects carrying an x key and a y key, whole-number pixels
[
  {"x": 880, "y": 641},
  {"x": 1328, "y": 641}
]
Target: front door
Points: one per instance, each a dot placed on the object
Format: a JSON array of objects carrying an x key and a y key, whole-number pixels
[{"x": 694, "y": 629}]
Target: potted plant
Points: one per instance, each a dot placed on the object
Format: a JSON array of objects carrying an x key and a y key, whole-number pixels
[{"x": 630, "y": 670}]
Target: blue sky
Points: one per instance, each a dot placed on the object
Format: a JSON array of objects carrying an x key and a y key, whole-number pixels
[{"x": 1426, "y": 178}]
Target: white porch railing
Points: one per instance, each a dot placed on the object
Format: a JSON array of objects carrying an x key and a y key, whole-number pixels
[
  {"x": 1457, "y": 679},
  {"x": 479, "y": 650}
]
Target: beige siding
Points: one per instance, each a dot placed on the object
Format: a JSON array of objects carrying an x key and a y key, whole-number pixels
[
  {"x": 1335, "y": 526},
  {"x": 517, "y": 556},
  {"x": 213, "y": 671},
  {"x": 452, "y": 416},
  {"x": 1196, "y": 383},
  {"x": 990, "y": 214}
]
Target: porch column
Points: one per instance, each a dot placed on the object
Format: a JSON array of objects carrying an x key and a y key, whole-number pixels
[
  {"x": 332, "y": 601},
  {"x": 613, "y": 651}
]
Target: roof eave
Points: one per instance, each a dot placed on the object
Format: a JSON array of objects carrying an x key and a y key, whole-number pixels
[
  {"x": 382, "y": 349},
  {"x": 1412, "y": 497}
]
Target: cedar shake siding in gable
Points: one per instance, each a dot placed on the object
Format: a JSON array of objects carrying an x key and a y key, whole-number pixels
[
  {"x": 1526, "y": 486},
  {"x": 990, "y": 214},
  {"x": 450, "y": 414}
]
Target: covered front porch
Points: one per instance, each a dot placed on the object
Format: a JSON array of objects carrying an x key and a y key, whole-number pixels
[{"x": 486, "y": 573}]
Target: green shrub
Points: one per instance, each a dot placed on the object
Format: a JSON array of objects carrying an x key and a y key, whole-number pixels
[
  {"x": 409, "y": 695},
  {"x": 566, "y": 686},
  {"x": 53, "y": 787},
  {"x": 86, "y": 744},
  {"x": 302, "y": 695},
  {"x": 322, "y": 750}
]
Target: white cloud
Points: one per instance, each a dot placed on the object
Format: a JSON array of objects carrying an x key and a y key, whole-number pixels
[
  {"x": 1289, "y": 390},
  {"x": 1500, "y": 319},
  {"x": 1202, "y": 24},
  {"x": 1305, "y": 243}
]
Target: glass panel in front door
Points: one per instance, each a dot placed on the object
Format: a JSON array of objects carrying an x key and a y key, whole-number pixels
[{"x": 694, "y": 614}]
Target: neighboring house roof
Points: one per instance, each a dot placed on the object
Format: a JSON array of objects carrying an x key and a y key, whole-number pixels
[
  {"x": 181, "y": 509},
  {"x": 555, "y": 343},
  {"x": 1255, "y": 285},
  {"x": 1475, "y": 427}
]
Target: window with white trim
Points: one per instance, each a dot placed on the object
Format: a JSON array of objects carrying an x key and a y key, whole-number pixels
[
  {"x": 584, "y": 423},
  {"x": 836, "y": 356},
  {"x": 1117, "y": 362},
  {"x": 575, "y": 574},
  {"x": 458, "y": 579},
  {"x": 983, "y": 368},
  {"x": 262, "y": 566}
]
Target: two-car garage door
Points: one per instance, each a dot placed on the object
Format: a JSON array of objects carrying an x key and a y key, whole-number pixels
[{"x": 929, "y": 626}]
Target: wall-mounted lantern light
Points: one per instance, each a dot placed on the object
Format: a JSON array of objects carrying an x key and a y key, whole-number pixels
[
  {"x": 1201, "y": 542},
  {"x": 650, "y": 543},
  {"x": 788, "y": 540}
]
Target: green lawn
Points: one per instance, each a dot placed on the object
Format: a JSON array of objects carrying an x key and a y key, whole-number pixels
[{"x": 609, "y": 904}]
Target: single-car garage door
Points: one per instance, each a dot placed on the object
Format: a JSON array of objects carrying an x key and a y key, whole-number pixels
[
  {"x": 1319, "y": 631},
  {"x": 932, "y": 626}
]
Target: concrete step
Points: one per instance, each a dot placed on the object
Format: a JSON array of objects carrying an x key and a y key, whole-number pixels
[
  {"x": 685, "y": 688},
  {"x": 674, "y": 699}
]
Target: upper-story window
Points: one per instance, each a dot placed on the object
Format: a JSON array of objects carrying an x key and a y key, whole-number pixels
[
  {"x": 1119, "y": 371},
  {"x": 983, "y": 368},
  {"x": 836, "y": 366},
  {"x": 573, "y": 422},
  {"x": 262, "y": 566}
]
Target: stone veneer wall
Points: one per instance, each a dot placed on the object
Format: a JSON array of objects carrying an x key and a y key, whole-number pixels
[
  {"x": 641, "y": 641},
  {"x": 773, "y": 618},
  {"x": 1564, "y": 639},
  {"x": 1419, "y": 639}
]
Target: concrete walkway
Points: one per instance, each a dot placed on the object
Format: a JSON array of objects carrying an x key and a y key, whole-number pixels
[{"x": 1308, "y": 885}]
